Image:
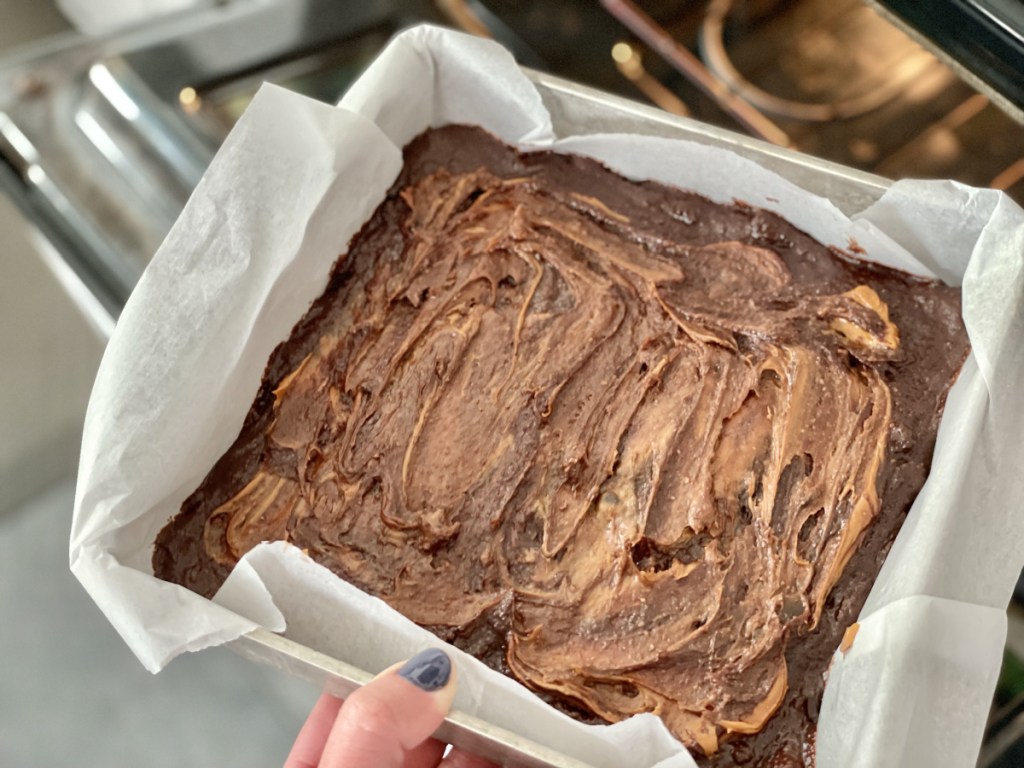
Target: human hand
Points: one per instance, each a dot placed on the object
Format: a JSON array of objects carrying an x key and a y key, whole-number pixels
[{"x": 387, "y": 723}]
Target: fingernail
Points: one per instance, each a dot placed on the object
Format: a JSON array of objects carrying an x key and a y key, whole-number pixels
[{"x": 429, "y": 669}]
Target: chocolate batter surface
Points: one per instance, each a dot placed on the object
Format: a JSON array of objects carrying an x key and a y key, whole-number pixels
[{"x": 643, "y": 452}]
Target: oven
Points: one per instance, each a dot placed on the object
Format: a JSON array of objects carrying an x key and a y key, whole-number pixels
[{"x": 102, "y": 139}]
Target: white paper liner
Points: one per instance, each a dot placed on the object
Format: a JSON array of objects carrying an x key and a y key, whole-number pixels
[{"x": 253, "y": 247}]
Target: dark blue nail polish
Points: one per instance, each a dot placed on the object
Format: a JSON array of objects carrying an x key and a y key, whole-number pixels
[{"x": 429, "y": 669}]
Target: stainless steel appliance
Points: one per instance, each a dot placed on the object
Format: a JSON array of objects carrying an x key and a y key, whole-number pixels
[
  {"x": 103, "y": 139},
  {"x": 982, "y": 39}
]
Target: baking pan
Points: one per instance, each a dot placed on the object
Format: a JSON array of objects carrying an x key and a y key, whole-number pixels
[{"x": 576, "y": 110}]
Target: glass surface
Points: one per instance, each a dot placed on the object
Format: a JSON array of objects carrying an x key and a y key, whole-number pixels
[{"x": 322, "y": 75}]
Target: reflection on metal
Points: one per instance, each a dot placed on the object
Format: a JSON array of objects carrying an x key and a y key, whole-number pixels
[
  {"x": 106, "y": 84},
  {"x": 15, "y": 148},
  {"x": 190, "y": 100},
  {"x": 644, "y": 27},
  {"x": 1009, "y": 177},
  {"x": 460, "y": 12},
  {"x": 116, "y": 123},
  {"x": 101, "y": 318},
  {"x": 874, "y": 96},
  {"x": 940, "y": 138},
  {"x": 37, "y": 175},
  {"x": 100, "y": 138},
  {"x": 627, "y": 60},
  {"x": 58, "y": 220}
]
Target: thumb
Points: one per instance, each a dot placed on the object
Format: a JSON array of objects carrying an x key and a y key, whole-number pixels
[{"x": 392, "y": 714}]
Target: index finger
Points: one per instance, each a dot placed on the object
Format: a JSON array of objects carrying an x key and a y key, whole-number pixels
[
  {"x": 309, "y": 744},
  {"x": 392, "y": 714}
]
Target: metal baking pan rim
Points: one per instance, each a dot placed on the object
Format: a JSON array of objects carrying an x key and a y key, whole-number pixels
[
  {"x": 341, "y": 679},
  {"x": 850, "y": 189},
  {"x": 570, "y": 104}
]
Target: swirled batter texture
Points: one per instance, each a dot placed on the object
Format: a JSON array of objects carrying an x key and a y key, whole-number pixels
[{"x": 625, "y": 466}]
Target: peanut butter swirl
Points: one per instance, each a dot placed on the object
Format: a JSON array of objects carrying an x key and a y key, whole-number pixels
[
  {"x": 662, "y": 455},
  {"x": 620, "y": 444}
]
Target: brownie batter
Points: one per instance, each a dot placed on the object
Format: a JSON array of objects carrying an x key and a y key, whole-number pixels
[{"x": 640, "y": 451}]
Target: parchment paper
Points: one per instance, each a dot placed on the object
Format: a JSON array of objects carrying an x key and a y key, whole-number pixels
[{"x": 253, "y": 248}]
